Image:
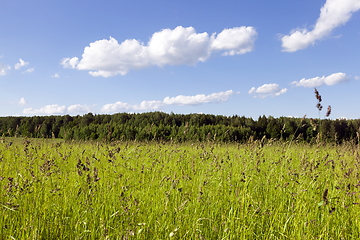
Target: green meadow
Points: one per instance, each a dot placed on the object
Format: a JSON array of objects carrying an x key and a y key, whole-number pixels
[{"x": 53, "y": 189}]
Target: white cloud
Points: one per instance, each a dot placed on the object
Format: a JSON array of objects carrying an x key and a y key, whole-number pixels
[
  {"x": 332, "y": 79},
  {"x": 79, "y": 109},
  {"x": 179, "y": 46},
  {"x": 333, "y": 14},
  {"x": 29, "y": 70},
  {"x": 148, "y": 105},
  {"x": 116, "y": 107},
  {"x": 47, "y": 110},
  {"x": 267, "y": 90},
  {"x": 126, "y": 107},
  {"x": 69, "y": 62},
  {"x": 357, "y": 78},
  {"x": 178, "y": 100},
  {"x": 22, "y": 102},
  {"x": 198, "y": 99},
  {"x": 237, "y": 40},
  {"x": 22, "y": 63},
  {"x": 56, "y": 75},
  {"x": 4, "y": 69}
]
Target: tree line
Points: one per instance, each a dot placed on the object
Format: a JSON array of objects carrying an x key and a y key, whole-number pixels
[{"x": 161, "y": 126}]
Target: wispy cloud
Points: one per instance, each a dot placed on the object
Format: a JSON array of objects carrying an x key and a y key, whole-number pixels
[
  {"x": 69, "y": 62},
  {"x": 179, "y": 46},
  {"x": 29, "y": 70},
  {"x": 267, "y": 90},
  {"x": 4, "y": 69},
  {"x": 333, "y": 14},
  {"x": 332, "y": 79},
  {"x": 56, "y": 75},
  {"x": 22, "y": 63}
]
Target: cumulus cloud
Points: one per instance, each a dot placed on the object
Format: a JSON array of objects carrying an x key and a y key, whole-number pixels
[
  {"x": 22, "y": 102},
  {"x": 56, "y": 109},
  {"x": 4, "y": 69},
  {"x": 179, "y": 46},
  {"x": 178, "y": 100},
  {"x": 47, "y": 110},
  {"x": 22, "y": 63},
  {"x": 333, "y": 14},
  {"x": 116, "y": 107},
  {"x": 148, "y": 105},
  {"x": 330, "y": 80},
  {"x": 126, "y": 107},
  {"x": 267, "y": 90},
  {"x": 198, "y": 99},
  {"x": 237, "y": 40},
  {"x": 79, "y": 109}
]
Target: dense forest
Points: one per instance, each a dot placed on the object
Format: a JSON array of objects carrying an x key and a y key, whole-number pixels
[{"x": 161, "y": 126}]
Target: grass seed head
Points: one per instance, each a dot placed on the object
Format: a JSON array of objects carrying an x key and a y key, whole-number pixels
[
  {"x": 318, "y": 105},
  {"x": 318, "y": 97},
  {"x": 328, "y": 111}
]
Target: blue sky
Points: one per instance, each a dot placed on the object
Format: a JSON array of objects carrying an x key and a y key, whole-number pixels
[{"x": 248, "y": 58}]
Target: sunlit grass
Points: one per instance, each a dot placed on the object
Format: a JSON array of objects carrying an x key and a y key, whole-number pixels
[{"x": 87, "y": 190}]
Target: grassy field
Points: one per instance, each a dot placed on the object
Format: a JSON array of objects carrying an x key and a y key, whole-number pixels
[{"x": 51, "y": 189}]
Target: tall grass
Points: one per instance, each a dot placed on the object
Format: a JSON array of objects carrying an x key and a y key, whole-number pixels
[{"x": 130, "y": 190}]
